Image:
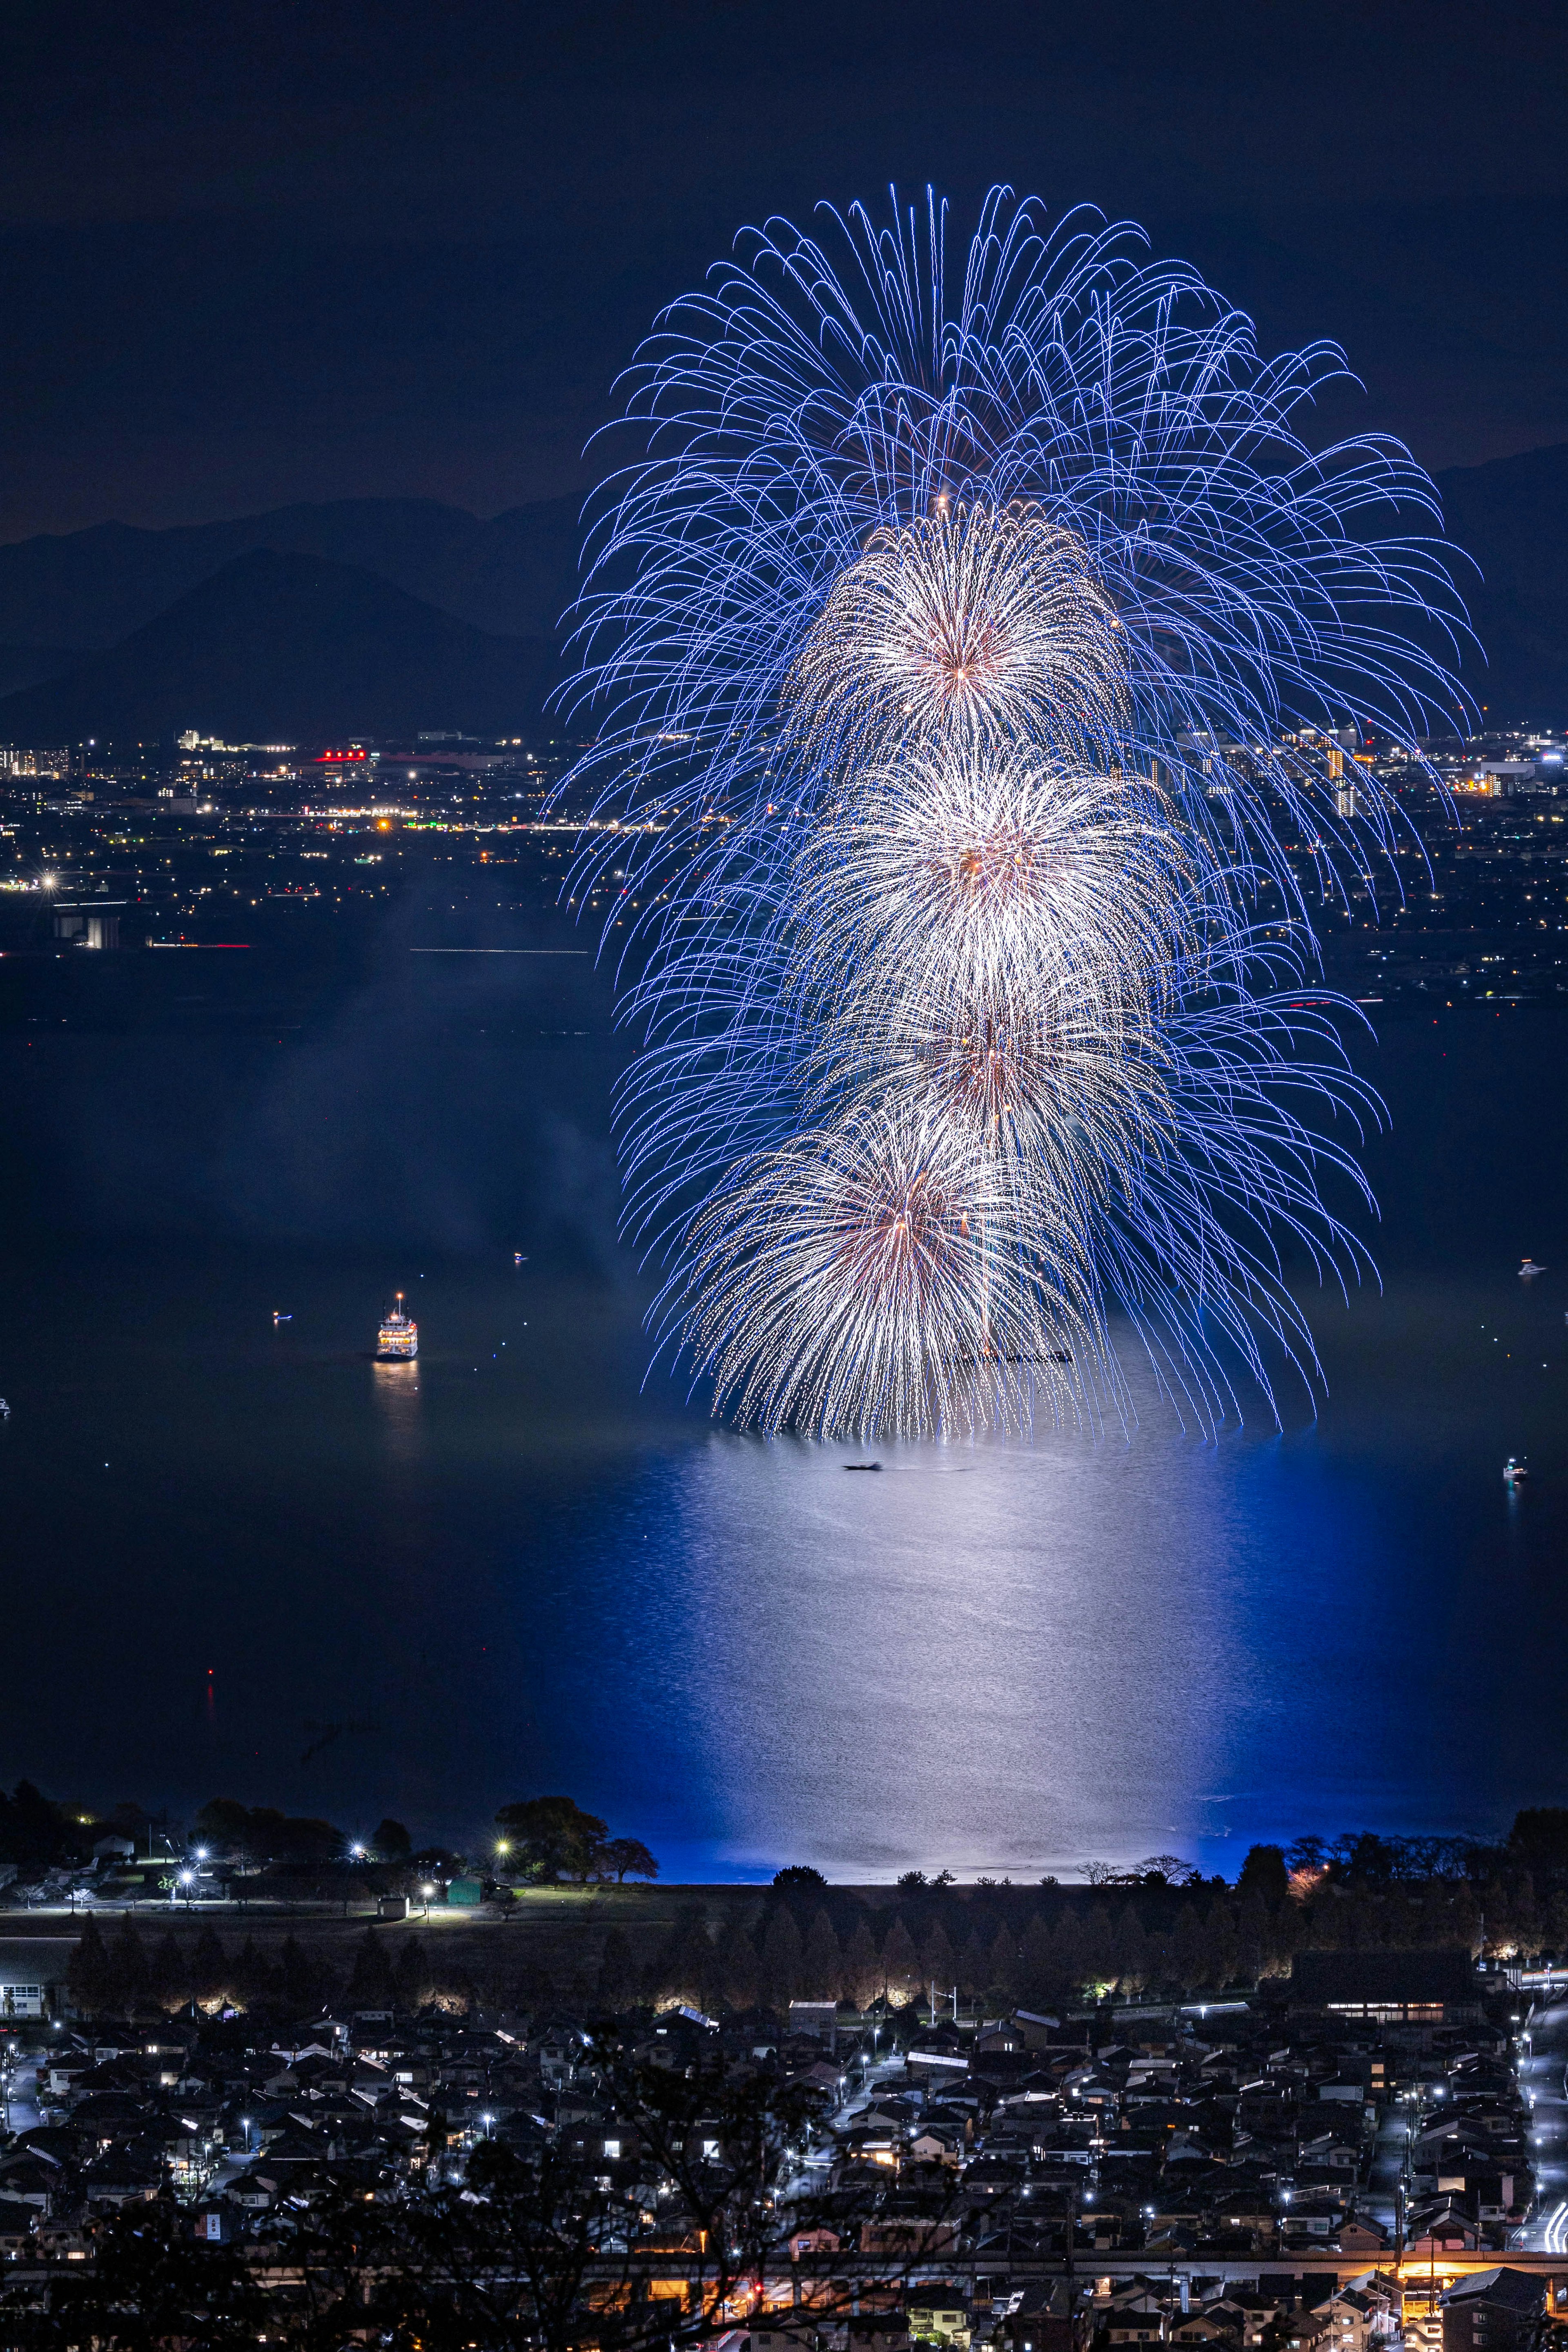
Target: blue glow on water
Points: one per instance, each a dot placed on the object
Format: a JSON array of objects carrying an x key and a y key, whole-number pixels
[{"x": 522, "y": 1569}]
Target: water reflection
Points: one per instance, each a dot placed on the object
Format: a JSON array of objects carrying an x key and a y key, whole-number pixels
[
  {"x": 932, "y": 1667},
  {"x": 397, "y": 1391}
]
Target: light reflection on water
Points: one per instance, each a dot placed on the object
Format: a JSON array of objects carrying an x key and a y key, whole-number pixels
[
  {"x": 1012, "y": 1657},
  {"x": 514, "y": 1568}
]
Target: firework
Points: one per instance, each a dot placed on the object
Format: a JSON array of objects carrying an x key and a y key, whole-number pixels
[
  {"x": 875, "y": 1277},
  {"x": 967, "y": 644},
  {"x": 978, "y": 876},
  {"x": 970, "y": 625}
]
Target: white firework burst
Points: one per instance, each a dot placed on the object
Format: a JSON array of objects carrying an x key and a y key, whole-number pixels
[
  {"x": 875, "y": 1276},
  {"x": 981, "y": 883},
  {"x": 974, "y": 621}
]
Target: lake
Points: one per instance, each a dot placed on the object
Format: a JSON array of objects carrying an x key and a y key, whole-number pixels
[{"x": 241, "y": 1558}]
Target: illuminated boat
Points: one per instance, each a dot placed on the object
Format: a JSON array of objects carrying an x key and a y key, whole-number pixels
[
  {"x": 399, "y": 1334},
  {"x": 1513, "y": 1471}
]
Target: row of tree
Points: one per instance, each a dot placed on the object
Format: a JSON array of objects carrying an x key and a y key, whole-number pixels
[
  {"x": 127, "y": 1974},
  {"x": 1200, "y": 1942}
]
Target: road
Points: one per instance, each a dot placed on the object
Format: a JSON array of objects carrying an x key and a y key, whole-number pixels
[{"x": 1541, "y": 2075}]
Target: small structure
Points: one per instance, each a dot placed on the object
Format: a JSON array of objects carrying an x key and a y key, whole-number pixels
[{"x": 89, "y": 922}]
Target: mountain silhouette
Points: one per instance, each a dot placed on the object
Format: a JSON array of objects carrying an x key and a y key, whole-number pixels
[
  {"x": 367, "y": 607},
  {"x": 1511, "y": 516},
  {"x": 290, "y": 648},
  {"x": 87, "y": 589}
]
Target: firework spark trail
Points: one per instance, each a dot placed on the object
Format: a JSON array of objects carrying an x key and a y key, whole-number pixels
[{"x": 964, "y": 655}]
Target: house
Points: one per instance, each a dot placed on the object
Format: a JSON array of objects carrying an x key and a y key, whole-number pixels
[
  {"x": 18, "y": 2223},
  {"x": 1047, "y": 2316},
  {"x": 1424, "y": 1988},
  {"x": 939, "y": 2314},
  {"x": 1492, "y": 2311}
]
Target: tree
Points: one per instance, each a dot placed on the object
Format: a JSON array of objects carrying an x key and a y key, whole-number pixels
[
  {"x": 1069, "y": 1942},
  {"x": 821, "y": 1963},
  {"x": 912, "y": 1881},
  {"x": 738, "y": 1971},
  {"x": 862, "y": 1966},
  {"x": 88, "y": 1971},
  {"x": 411, "y": 1978},
  {"x": 150, "y": 2284},
  {"x": 1189, "y": 1949},
  {"x": 1539, "y": 1838},
  {"x": 225, "y": 1823},
  {"x": 553, "y": 1836},
  {"x": 618, "y": 1972},
  {"x": 1255, "y": 1935},
  {"x": 302, "y": 1987},
  {"x": 169, "y": 1976},
  {"x": 253, "y": 1979},
  {"x": 391, "y": 1842},
  {"x": 1264, "y": 1874},
  {"x": 798, "y": 1875},
  {"x": 900, "y": 1962},
  {"x": 1130, "y": 1950},
  {"x": 1098, "y": 1961},
  {"x": 371, "y": 1985},
  {"x": 688, "y": 1970},
  {"x": 781, "y": 1960},
  {"x": 628, "y": 1858},
  {"x": 209, "y": 1966},
  {"x": 1003, "y": 1960},
  {"x": 128, "y": 1981},
  {"x": 974, "y": 1963},
  {"x": 1038, "y": 1973},
  {"x": 938, "y": 1964},
  {"x": 34, "y": 1831}
]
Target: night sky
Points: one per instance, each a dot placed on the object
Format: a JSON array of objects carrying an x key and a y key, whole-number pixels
[{"x": 258, "y": 254}]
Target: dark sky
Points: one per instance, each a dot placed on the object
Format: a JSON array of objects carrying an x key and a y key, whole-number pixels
[{"x": 260, "y": 253}]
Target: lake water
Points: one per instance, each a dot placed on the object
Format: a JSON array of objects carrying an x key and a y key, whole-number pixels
[{"x": 245, "y": 1560}]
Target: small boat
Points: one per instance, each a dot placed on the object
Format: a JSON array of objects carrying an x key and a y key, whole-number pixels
[
  {"x": 862, "y": 1466},
  {"x": 5, "y": 1409},
  {"x": 398, "y": 1338},
  {"x": 1529, "y": 1270},
  {"x": 1513, "y": 1471},
  {"x": 519, "y": 1257},
  {"x": 278, "y": 1316}
]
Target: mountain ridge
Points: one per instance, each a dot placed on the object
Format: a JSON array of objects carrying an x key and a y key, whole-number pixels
[
  {"x": 287, "y": 646},
  {"x": 69, "y": 602},
  {"x": 87, "y": 590}
]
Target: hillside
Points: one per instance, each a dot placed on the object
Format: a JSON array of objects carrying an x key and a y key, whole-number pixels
[
  {"x": 287, "y": 647},
  {"x": 407, "y": 606},
  {"x": 89, "y": 589}
]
